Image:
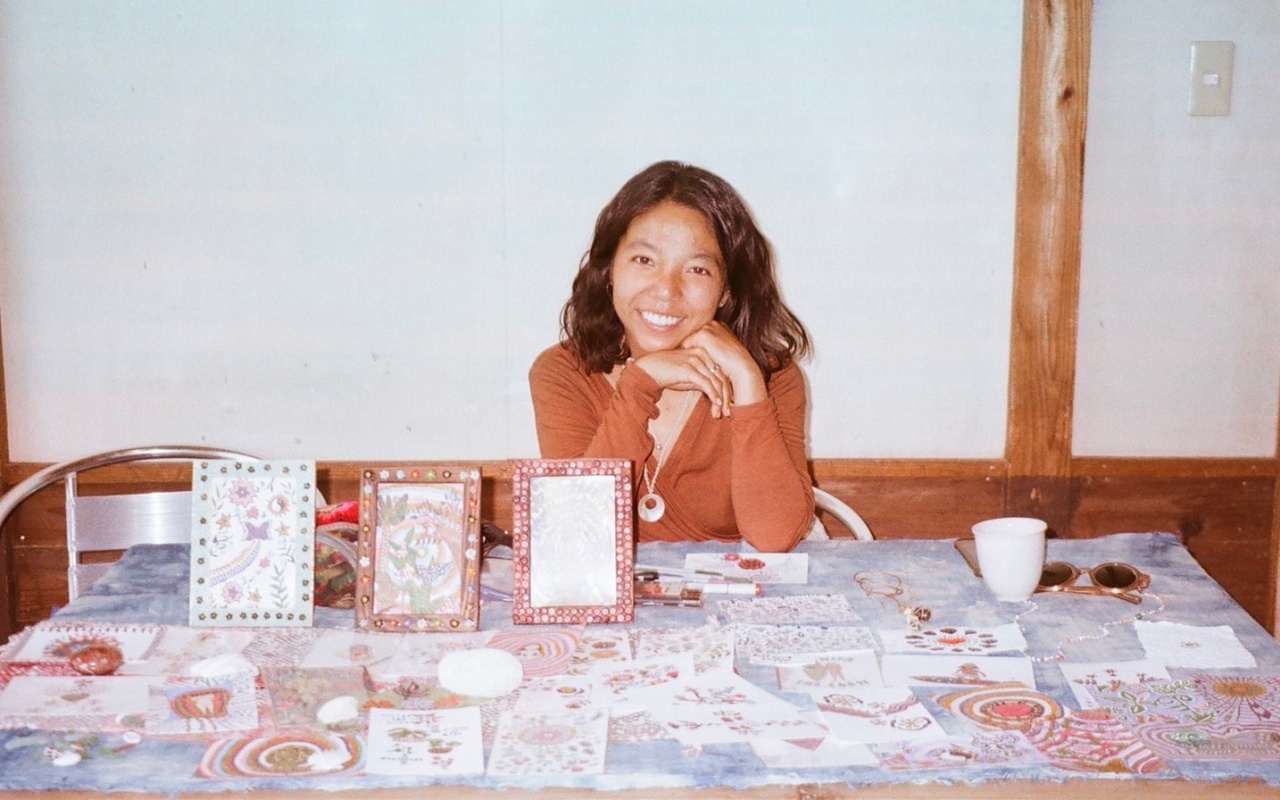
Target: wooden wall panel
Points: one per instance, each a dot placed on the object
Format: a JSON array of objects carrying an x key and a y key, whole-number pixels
[
  {"x": 1221, "y": 507},
  {"x": 915, "y": 499}
]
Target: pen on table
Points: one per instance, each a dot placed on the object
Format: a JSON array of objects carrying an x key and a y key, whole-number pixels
[
  {"x": 691, "y": 576},
  {"x": 728, "y": 587},
  {"x": 677, "y": 571}
]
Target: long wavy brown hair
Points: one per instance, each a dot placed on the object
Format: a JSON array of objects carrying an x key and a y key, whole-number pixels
[{"x": 754, "y": 310}]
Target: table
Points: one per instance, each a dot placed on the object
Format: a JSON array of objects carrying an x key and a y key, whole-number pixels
[{"x": 149, "y": 586}]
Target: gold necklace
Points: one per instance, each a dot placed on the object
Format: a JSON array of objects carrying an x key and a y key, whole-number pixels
[
  {"x": 651, "y": 506},
  {"x": 875, "y": 583}
]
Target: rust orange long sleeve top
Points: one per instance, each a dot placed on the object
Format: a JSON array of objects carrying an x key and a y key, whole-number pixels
[{"x": 741, "y": 477}]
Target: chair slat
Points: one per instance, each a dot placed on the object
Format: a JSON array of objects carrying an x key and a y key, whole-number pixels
[{"x": 117, "y": 522}]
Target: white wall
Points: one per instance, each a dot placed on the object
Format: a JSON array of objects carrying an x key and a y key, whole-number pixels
[
  {"x": 343, "y": 230},
  {"x": 1179, "y": 345}
]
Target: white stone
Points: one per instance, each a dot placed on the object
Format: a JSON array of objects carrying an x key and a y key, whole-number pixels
[{"x": 483, "y": 672}]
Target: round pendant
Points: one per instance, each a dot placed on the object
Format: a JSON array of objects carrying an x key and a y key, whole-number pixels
[{"x": 651, "y": 507}]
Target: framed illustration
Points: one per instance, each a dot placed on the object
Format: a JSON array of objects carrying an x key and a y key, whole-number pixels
[
  {"x": 252, "y": 543},
  {"x": 574, "y": 541},
  {"x": 418, "y": 549}
]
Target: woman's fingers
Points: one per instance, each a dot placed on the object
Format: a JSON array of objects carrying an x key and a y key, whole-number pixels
[{"x": 690, "y": 369}]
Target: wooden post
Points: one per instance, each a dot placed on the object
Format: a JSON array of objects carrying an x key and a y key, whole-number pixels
[{"x": 1046, "y": 258}]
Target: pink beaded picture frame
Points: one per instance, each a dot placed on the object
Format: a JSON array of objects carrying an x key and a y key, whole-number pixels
[
  {"x": 418, "y": 548},
  {"x": 573, "y": 534}
]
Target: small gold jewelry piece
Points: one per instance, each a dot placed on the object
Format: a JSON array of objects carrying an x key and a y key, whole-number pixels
[{"x": 888, "y": 585}]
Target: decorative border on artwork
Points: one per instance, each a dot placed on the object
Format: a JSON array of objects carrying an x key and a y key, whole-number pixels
[
  {"x": 621, "y": 516},
  {"x": 462, "y": 541},
  {"x": 289, "y": 545}
]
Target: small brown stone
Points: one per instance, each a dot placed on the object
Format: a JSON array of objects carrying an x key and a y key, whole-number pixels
[{"x": 97, "y": 659}]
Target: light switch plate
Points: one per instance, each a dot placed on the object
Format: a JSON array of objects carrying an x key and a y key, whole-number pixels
[{"x": 1211, "y": 67}]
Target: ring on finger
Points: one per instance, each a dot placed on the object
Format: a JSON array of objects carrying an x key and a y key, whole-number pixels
[{"x": 715, "y": 367}]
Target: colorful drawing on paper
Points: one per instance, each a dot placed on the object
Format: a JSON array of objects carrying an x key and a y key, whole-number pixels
[
  {"x": 283, "y": 753},
  {"x": 1002, "y": 706},
  {"x": 419, "y": 549},
  {"x": 440, "y": 742},
  {"x": 252, "y": 543},
  {"x": 418, "y": 567},
  {"x": 572, "y": 743},
  {"x": 1009, "y": 748},
  {"x": 1092, "y": 742}
]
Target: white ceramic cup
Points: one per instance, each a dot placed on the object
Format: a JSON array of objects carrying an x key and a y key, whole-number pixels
[{"x": 1010, "y": 555}]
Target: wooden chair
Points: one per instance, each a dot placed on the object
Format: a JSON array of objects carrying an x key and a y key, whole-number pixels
[
  {"x": 846, "y": 516},
  {"x": 97, "y": 524}
]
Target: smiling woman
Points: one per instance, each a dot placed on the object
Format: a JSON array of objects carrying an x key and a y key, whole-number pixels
[{"x": 679, "y": 355}]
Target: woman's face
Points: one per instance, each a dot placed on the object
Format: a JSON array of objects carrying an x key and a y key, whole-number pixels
[{"x": 668, "y": 277}]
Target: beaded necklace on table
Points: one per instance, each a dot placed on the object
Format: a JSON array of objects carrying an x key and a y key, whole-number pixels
[{"x": 1104, "y": 628}]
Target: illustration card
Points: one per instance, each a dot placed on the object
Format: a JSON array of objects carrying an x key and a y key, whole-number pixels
[
  {"x": 561, "y": 693},
  {"x": 619, "y": 685},
  {"x": 1204, "y": 647},
  {"x": 827, "y": 672},
  {"x": 574, "y": 543},
  {"x": 183, "y": 705},
  {"x": 1001, "y": 706},
  {"x": 179, "y": 647},
  {"x": 1093, "y": 742},
  {"x": 755, "y": 567},
  {"x": 253, "y": 543},
  {"x": 798, "y": 644},
  {"x": 718, "y": 707},
  {"x": 542, "y": 651},
  {"x": 81, "y": 703},
  {"x": 418, "y": 548},
  {"x": 440, "y": 742},
  {"x": 1201, "y": 717},
  {"x": 555, "y": 743},
  {"x": 1008, "y": 748},
  {"x": 1110, "y": 675},
  {"x": 283, "y": 753},
  {"x": 877, "y": 714},
  {"x": 298, "y": 695},
  {"x": 954, "y": 639},
  {"x": 600, "y": 646},
  {"x": 710, "y": 645},
  {"x": 830, "y": 752},
  {"x": 792, "y": 609},
  {"x": 344, "y": 648},
  {"x": 909, "y": 669},
  {"x": 419, "y": 656},
  {"x": 58, "y": 641}
]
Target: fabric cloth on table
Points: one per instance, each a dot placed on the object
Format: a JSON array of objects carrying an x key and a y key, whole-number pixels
[{"x": 149, "y": 585}]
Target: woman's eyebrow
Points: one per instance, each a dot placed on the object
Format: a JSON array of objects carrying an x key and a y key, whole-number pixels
[{"x": 645, "y": 244}]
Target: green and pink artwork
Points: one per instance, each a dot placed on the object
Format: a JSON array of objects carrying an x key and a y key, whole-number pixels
[{"x": 419, "y": 549}]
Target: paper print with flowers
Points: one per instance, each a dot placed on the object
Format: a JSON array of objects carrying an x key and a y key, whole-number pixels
[
  {"x": 253, "y": 543},
  {"x": 418, "y": 549},
  {"x": 418, "y": 567}
]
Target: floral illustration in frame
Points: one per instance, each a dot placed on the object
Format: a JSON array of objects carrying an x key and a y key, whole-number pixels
[
  {"x": 253, "y": 543},
  {"x": 418, "y": 550},
  {"x": 574, "y": 540}
]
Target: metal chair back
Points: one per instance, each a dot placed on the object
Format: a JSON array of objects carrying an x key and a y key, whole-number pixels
[{"x": 104, "y": 523}]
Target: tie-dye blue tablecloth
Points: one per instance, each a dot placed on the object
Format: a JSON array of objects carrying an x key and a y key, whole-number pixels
[{"x": 149, "y": 585}]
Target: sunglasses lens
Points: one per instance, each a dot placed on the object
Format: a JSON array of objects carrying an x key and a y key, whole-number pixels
[
  {"x": 1115, "y": 576},
  {"x": 1056, "y": 574}
]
